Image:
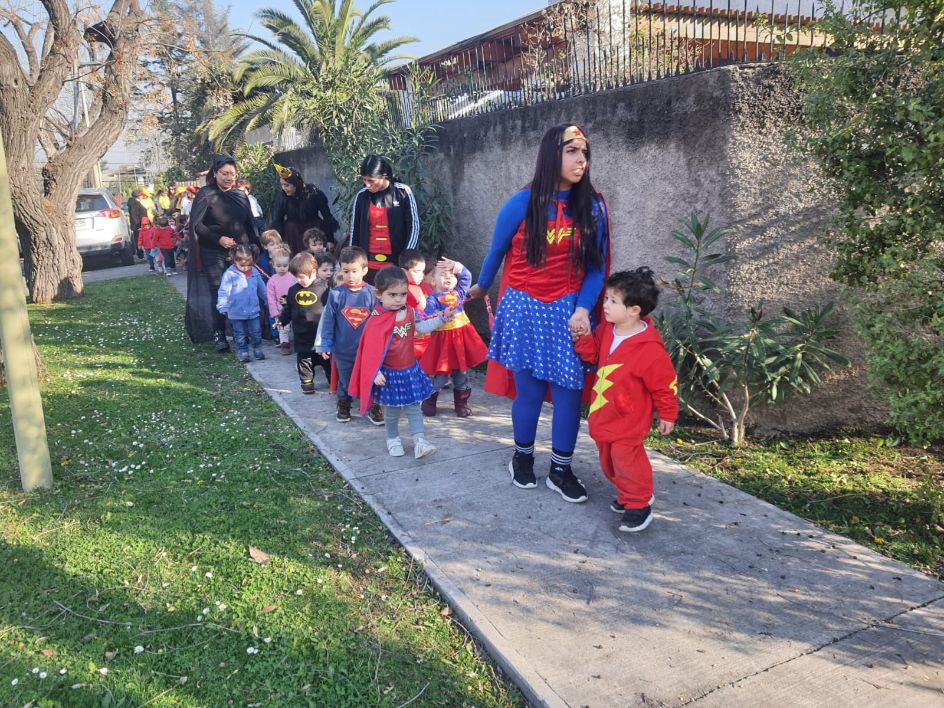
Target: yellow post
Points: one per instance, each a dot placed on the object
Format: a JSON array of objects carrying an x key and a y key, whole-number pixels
[{"x": 26, "y": 406}]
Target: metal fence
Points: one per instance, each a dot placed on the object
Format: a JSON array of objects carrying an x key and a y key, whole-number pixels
[{"x": 578, "y": 47}]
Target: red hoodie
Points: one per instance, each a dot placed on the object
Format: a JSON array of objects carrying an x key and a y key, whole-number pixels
[
  {"x": 163, "y": 237},
  {"x": 636, "y": 376}
]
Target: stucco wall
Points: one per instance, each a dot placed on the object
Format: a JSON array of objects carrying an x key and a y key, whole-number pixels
[{"x": 710, "y": 141}]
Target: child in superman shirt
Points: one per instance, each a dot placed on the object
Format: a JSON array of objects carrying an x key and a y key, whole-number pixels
[{"x": 634, "y": 375}]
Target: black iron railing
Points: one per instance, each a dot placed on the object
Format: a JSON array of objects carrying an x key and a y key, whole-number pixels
[{"x": 579, "y": 47}]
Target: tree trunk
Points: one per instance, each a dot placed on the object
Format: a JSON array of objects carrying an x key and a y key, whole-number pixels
[{"x": 53, "y": 266}]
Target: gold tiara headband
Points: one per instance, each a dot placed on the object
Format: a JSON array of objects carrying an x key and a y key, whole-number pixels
[
  {"x": 283, "y": 172},
  {"x": 573, "y": 133}
]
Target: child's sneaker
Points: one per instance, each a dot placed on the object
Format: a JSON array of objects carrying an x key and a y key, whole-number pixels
[
  {"x": 563, "y": 481},
  {"x": 244, "y": 357},
  {"x": 422, "y": 447},
  {"x": 375, "y": 414},
  {"x": 635, "y": 520},
  {"x": 258, "y": 354},
  {"x": 395, "y": 447},
  {"x": 285, "y": 348},
  {"x": 615, "y": 506},
  {"x": 344, "y": 411},
  {"x": 522, "y": 471},
  {"x": 308, "y": 386}
]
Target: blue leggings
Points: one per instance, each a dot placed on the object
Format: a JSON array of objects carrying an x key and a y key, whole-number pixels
[{"x": 526, "y": 410}]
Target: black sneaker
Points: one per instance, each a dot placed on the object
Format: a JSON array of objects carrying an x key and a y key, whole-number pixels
[
  {"x": 222, "y": 346},
  {"x": 563, "y": 481},
  {"x": 375, "y": 414},
  {"x": 615, "y": 506},
  {"x": 344, "y": 411},
  {"x": 521, "y": 468},
  {"x": 635, "y": 520},
  {"x": 309, "y": 387}
]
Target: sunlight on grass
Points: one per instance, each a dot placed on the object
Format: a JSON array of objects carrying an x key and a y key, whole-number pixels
[{"x": 131, "y": 580}]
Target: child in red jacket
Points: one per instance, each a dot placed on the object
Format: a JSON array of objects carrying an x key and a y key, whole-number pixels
[
  {"x": 634, "y": 374},
  {"x": 164, "y": 238}
]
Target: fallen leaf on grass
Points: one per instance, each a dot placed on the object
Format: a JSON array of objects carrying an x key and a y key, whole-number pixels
[
  {"x": 49, "y": 652},
  {"x": 258, "y": 556},
  {"x": 269, "y": 608},
  {"x": 446, "y": 612}
]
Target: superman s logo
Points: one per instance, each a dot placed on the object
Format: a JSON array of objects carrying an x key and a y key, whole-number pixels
[
  {"x": 305, "y": 298},
  {"x": 355, "y": 316}
]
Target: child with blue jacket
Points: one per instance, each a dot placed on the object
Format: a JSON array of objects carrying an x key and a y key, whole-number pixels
[{"x": 241, "y": 289}]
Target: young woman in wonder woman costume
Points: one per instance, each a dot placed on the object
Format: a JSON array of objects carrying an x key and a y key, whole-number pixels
[{"x": 553, "y": 236}]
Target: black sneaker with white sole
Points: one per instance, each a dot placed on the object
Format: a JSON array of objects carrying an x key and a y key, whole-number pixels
[
  {"x": 563, "y": 481},
  {"x": 618, "y": 508},
  {"x": 521, "y": 468},
  {"x": 635, "y": 520}
]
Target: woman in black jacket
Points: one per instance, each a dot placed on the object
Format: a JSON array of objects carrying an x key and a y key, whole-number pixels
[
  {"x": 384, "y": 219},
  {"x": 220, "y": 218},
  {"x": 299, "y": 207}
]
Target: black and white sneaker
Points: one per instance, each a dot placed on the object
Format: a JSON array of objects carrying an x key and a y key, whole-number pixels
[
  {"x": 618, "y": 508},
  {"x": 563, "y": 481},
  {"x": 635, "y": 520},
  {"x": 521, "y": 468}
]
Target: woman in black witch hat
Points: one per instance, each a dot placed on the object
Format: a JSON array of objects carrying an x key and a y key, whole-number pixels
[
  {"x": 220, "y": 218},
  {"x": 298, "y": 207}
]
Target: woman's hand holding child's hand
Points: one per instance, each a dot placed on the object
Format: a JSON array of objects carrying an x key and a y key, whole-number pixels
[
  {"x": 475, "y": 292},
  {"x": 380, "y": 379},
  {"x": 579, "y": 323}
]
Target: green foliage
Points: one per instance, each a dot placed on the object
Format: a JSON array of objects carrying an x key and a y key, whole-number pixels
[
  {"x": 874, "y": 121},
  {"x": 730, "y": 367},
  {"x": 170, "y": 462},
  {"x": 327, "y": 78},
  {"x": 255, "y": 166}
]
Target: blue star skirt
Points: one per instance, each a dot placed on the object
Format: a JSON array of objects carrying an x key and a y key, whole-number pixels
[
  {"x": 403, "y": 387},
  {"x": 530, "y": 335}
]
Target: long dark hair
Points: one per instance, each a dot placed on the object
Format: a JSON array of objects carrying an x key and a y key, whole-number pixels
[
  {"x": 377, "y": 166},
  {"x": 544, "y": 188}
]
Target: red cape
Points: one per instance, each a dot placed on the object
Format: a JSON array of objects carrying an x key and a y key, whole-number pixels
[
  {"x": 499, "y": 380},
  {"x": 371, "y": 351}
]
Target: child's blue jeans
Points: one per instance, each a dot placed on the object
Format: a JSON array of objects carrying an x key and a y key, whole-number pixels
[{"x": 244, "y": 331}]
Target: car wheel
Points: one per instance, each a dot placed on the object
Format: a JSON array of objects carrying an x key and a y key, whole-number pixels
[{"x": 127, "y": 256}]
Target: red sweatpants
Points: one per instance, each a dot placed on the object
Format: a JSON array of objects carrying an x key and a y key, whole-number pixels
[{"x": 626, "y": 465}]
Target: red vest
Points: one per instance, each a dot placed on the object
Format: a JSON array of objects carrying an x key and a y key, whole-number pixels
[{"x": 379, "y": 246}]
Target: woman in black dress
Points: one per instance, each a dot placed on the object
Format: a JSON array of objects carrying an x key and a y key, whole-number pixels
[
  {"x": 220, "y": 218},
  {"x": 299, "y": 207}
]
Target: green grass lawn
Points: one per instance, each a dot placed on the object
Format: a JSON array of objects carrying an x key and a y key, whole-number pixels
[
  {"x": 131, "y": 582},
  {"x": 865, "y": 487}
]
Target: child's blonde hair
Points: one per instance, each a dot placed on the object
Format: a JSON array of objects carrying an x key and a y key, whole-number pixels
[
  {"x": 270, "y": 236},
  {"x": 283, "y": 249}
]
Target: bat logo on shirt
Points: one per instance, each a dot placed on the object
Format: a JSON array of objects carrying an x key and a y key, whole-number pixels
[{"x": 305, "y": 298}]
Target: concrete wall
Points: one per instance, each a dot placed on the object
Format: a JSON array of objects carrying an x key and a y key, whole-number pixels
[{"x": 710, "y": 141}]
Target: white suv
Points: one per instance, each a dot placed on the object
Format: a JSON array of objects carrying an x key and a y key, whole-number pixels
[{"x": 101, "y": 227}]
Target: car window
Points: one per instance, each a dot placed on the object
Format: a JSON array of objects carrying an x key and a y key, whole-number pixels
[{"x": 91, "y": 202}]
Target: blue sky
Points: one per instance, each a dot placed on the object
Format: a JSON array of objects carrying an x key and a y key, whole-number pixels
[{"x": 436, "y": 23}]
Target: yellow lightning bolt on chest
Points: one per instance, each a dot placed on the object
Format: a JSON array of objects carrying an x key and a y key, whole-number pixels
[{"x": 601, "y": 385}]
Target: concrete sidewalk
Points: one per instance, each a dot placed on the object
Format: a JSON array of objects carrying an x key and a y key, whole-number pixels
[{"x": 724, "y": 601}]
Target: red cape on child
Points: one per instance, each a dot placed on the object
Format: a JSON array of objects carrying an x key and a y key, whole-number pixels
[{"x": 371, "y": 351}]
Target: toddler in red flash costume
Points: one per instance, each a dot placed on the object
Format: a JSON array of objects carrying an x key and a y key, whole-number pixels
[
  {"x": 634, "y": 374},
  {"x": 413, "y": 263}
]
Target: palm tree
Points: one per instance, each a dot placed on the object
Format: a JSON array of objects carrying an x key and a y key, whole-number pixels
[{"x": 324, "y": 75}]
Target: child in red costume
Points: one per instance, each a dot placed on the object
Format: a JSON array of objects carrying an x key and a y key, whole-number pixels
[
  {"x": 634, "y": 374},
  {"x": 417, "y": 290},
  {"x": 455, "y": 347},
  {"x": 386, "y": 370}
]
